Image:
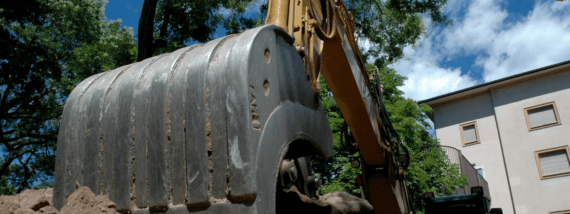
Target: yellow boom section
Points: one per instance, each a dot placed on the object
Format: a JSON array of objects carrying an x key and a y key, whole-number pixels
[{"x": 323, "y": 33}]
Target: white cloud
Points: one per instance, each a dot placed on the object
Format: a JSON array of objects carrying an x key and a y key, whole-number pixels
[
  {"x": 478, "y": 28},
  {"x": 454, "y": 8},
  {"x": 540, "y": 39},
  {"x": 426, "y": 79},
  {"x": 502, "y": 47}
]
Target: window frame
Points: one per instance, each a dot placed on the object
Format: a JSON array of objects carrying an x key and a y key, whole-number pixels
[
  {"x": 544, "y": 151},
  {"x": 478, "y": 141},
  {"x": 529, "y": 126}
]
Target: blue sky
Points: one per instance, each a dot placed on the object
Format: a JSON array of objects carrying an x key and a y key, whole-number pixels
[
  {"x": 489, "y": 39},
  {"x": 129, "y": 11}
]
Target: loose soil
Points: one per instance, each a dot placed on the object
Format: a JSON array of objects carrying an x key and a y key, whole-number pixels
[
  {"x": 84, "y": 201},
  {"x": 40, "y": 201}
]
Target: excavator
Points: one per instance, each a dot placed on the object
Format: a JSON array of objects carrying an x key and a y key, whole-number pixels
[{"x": 229, "y": 125}]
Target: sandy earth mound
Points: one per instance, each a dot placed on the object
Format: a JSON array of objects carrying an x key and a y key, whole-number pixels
[
  {"x": 346, "y": 203},
  {"x": 84, "y": 201},
  {"x": 291, "y": 201},
  {"x": 28, "y": 201},
  {"x": 39, "y": 201}
]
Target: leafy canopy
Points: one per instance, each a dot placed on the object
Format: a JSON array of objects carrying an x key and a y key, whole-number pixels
[
  {"x": 392, "y": 25},
  {"x": 47, "y": 47},
  {"x": 428, "y": 169},
  {"x": 167, "y": 25}
]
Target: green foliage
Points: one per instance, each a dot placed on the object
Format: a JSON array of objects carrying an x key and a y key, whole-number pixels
[
  {"x": 47, "y": 47},
  {"x": 428, "y": 170},
  {"x": 241, "y": 19},
  {"x": 337, "y": 171},
  {"x": 178, "y": 22},
  {"x": 392, "y": 25},
  {"x": 114, "y": 47}
]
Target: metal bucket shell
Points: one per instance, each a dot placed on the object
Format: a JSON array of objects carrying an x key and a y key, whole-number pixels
[{"x": 201, "y": 129}]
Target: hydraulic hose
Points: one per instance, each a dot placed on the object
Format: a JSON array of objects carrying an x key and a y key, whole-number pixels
[{"x": 318, "y": 30}]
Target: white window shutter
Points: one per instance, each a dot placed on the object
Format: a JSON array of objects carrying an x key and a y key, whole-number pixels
[
  {"x": 541, "y": 116},
  {"x": 554, "y": 162},
  {"x": 469, "y": 134}
]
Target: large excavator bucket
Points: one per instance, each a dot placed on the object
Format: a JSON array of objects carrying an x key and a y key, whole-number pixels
[{"x": 204, "y": 128}]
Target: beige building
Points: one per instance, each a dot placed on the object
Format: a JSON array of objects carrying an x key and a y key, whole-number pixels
[{"x": 516, "y": 130}]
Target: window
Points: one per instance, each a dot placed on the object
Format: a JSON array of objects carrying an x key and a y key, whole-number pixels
[
  {"x": 469, "y": 133},
  {"x": 541, "y": 116},
  {"x": 553, "y": 162}
]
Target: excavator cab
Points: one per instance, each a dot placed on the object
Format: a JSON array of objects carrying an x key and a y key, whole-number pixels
[{"x": 475, "y": 203}]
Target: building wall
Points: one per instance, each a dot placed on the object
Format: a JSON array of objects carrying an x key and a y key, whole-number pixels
[
  {"x": 449, "y": 117},
  {"x": 530, "y": 193}
]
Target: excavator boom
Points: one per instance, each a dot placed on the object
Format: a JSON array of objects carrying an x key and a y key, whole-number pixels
[{"x": 324, "y": 32}]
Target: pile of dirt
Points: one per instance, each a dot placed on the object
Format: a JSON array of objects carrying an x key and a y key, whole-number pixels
[
  {"x": 339, "y": 202},
  {"x": 345, "y": 203},
  {"x": 84, "y": 201},
  {"x": 28, "y": 201},
  {"x": 40, "y": 201}
]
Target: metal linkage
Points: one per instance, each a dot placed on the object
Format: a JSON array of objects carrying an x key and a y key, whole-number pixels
[{"x": 288, "y": 173}]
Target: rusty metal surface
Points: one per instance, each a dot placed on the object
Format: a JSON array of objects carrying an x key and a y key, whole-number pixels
[{"x": 201, "y": 129}]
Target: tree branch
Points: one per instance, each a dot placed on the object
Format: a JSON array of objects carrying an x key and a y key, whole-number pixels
[
  {"x": 19, "y": 146},
  {"x": 379, "y": 8},
  {"x": 18, "y": 116},
  {"x": 27, "y": 174},
  {"x": 4, "y": 98},
  {"x": 7, "y": 164},
  {"x": 15, "y": 141},
  {"x": 24, "y": 99},
  {"x": 9, "y": 132}
]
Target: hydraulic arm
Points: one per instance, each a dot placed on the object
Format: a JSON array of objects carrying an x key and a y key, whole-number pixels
[{"x": 323, "y": 33}]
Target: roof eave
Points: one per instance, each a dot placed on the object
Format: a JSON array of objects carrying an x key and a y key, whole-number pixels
[{"x": 485, "y": 86}]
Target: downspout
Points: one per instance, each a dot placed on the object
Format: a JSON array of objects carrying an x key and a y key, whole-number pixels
[{"x": 502, "y": 151}]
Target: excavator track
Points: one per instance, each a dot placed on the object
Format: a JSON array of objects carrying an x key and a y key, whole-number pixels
[{"x": 202, "y": 129}]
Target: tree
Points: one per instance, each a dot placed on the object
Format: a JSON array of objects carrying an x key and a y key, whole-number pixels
[
  {"x": 392, "y": 25},
  {"x": 48, "y": 46},
  {"x": 337, "y": 172},
  {"x": 167, "y": 25},
  {"x": 428, "y": 169}
]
